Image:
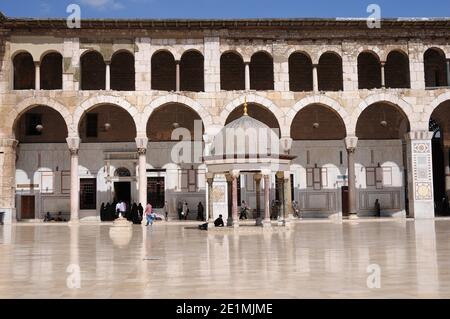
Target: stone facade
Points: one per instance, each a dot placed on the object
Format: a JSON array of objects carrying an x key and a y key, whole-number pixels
[{"x": 278, "y": 38}]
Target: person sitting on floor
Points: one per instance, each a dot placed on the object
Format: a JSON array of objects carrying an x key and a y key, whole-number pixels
[
  {"x": 217, "y": 223},
  {"x": 48, "y": 217}
]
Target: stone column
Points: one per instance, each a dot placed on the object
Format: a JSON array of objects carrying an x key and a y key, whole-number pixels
[
  {"x": 210, "y": 181},
  {"x": 141, "y": 143},
  {"x": 420, "y": 174},
  {"x": 448, "y": 72},
  {"x": 266, "y": 222},
  {"x": 383, "y": 78},
  {"x": 350, "y": 144},
  {"x": 315, "y": 78},
  {"x": 446, "y": 150},
  {"x": 8, "y": 179},
  {"x": 258, "y": 198},
  {"x": 247, "y": 76},
  {"x": 177, "y": 75},
  {"x": 288, "y": 214},
  {"x": 108, "y": 76},
  {"x": 234, "y": 197},
  {"x": 74, "y": 145},
  {"x": 37, "y": 75}
]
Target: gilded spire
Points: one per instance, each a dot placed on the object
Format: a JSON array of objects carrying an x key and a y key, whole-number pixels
[{"x": 245, "y": 106}]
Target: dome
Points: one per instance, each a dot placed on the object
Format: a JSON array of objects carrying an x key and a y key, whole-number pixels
[{"x": 245, "y": 136}]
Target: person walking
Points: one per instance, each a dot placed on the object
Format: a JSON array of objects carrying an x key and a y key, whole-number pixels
[
  {"x": 185, "y": 210},
  {"x": 149, "y": 214},
  {"x": 166, "y": 211}
]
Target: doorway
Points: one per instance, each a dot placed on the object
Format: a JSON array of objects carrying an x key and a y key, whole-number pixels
[
  {"x": 156, "y": 191},
  {"x": 344, "y": 200},
  {"x": 122, "y": 191},
  {"x": 27, "y": 207}
]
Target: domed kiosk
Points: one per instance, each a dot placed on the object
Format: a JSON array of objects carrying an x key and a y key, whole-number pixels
[{"x": 248, "y": 146}]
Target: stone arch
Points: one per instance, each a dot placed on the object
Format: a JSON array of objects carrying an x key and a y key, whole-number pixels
[
  {"x": 172, "y": 98},
  {"x": 317, "y": 99},
  {"x": 90, "y": 103},
  {"x": 253, "y": 98},
  {"x": 433, "y": 105},
  {"x": 404, "y": 106},
  {"x": 31, "y": 102}
]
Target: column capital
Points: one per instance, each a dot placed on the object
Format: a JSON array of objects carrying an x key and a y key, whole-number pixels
[
  {"x": 8, "y": 142},
  {"x": 266, "y": 172},
  {"x": 210, "y": 176},
  {"x": 246, "y": 62},
  {"x": 177, "y": 62},
  {"x": 382, "y": 63},
  {"x": 141, "y": 143},
  {"x": 419, "y": 135},
  {"x": 235, "y": 173},
  {"x": 315, "y": 65},
  {"x": 257, "y": 177},
  {"x": 286, "y": 144},
  {"x": 108, "y": 62},
  {"x": 351, "y": 142},
  {"x": 74, "y": 144}
]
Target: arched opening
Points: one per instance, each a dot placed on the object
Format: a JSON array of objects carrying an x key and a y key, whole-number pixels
[
  {"x": 51, "y": 71},
  {"x": 258, "y": 112},
  {"x": 107, "y": 123},
  {"x": 163, "y": 71},
  {"x": 396, "y": 70},
  {"x": 261, "y": 72},
  {"x": 381, "y": 160},
  {"x": 318, "y": 132},
  {"x": 122, "y": 71},
  {"x": 435, "y": 68},
  {"x": 165, "y": 119},
  {"x": 24, "y": 72},
  {"x": 369, "y": 71},
  {"x": 232, "y": 72},
  {"x": 440, "y": 125},
  {"x": 93, "y": 71},
  {"x": 300, "y": 72},
  {"x": 192, "y": 72},
  {"x": 330, "y": 72},
  {"x": 42, "y": 164},
  {"x": 317, "y": 122}
]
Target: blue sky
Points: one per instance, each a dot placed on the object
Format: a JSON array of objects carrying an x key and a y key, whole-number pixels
[{"x": 225, "y": 8}]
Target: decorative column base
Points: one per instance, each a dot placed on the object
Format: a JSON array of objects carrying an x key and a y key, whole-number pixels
[{"x": 266, "y": 223}]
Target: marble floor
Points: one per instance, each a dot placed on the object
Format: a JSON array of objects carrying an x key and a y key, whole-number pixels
[{"x": 322, "y": 259}]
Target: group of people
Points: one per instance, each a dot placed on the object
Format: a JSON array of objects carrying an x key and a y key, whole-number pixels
[
  {"x": 49, "y": 218},
  {"x": 183, "y": 211},
  {"x": 112, "y": 211}
]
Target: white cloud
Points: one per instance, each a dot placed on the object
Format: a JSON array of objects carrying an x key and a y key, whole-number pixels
[{"x": 103, "y": 4}]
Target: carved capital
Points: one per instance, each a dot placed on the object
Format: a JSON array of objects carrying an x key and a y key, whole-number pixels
[
  {"x": 142, "y": 151},
  {"x": 350, "y": 143},
  {"x": 74, "y": 144}
]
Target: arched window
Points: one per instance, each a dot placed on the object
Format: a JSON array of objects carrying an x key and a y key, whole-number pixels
[
  {"x": 435, "y": 68},
  {"x": 330, "y": 72},
  {"x": 232, "y": 72},
  {"x": 300, "y": 72},
  {"x": 93, "y": 71},
  {"x": 163, "y": 71},
  {"x": 192, "y": 72},
  {"x": 261, "y": 72},
  {"x": 369, "y": 71},
  {"x": 396, "y": 70},
  {"x": 51, "y": 71},
  {"x": 122, "y": 71},
  {"x": 24, "y": 72}
]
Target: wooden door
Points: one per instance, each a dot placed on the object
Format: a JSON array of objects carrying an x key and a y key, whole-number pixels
[{"x": 27, "y": 207}]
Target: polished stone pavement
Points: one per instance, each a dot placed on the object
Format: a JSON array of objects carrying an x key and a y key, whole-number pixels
[{"x": 316, "y": 259}]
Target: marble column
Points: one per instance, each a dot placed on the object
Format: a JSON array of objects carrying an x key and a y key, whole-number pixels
[
  {"x": 37, "y": 75},
  {"x": 383, "y": 78},
  {"x": 141, "y": 144},
  {"x": 177, "y": 76},
  {"x": 257, "y": 178},
  {"x": 247, "y": 76},
  {"x": 420, "y": 174},
  {"x": 350, "y": 143},
  {"x": 288, "y": 214},
  {"x": 108, "y": 76},
  {"x": 210, "y": 212},
  {"x": 8, "y": 179},
  {"x": 74, "y": 144},
  {"x": 315, "y": 78},
  {"x": 266, "y": 222},
  {"x": 448, "y": 72},
  {"x": 234, "y": 196}
]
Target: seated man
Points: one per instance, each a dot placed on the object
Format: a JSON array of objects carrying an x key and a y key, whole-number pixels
[
  {"x": 48, "y": 217},
  {"x": 218, "y": 223}
]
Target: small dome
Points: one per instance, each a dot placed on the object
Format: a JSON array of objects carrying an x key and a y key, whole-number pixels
[{"x": 246, "y": 136}]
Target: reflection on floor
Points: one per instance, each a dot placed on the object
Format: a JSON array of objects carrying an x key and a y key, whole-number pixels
[{"x": 314, "y": 259}]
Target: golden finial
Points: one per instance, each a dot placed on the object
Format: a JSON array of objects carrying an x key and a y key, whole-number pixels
[{"x": 245, "y": 106}]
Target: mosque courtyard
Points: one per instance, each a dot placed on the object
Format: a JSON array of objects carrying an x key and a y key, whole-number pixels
[{"x": 364, "y": 258}]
